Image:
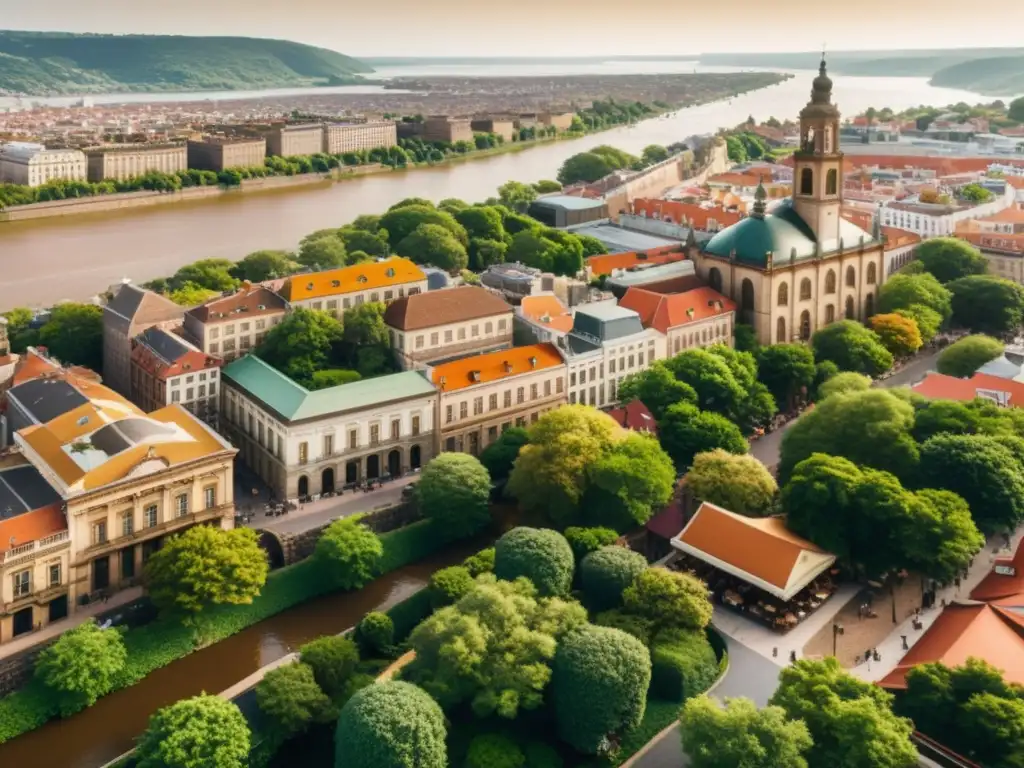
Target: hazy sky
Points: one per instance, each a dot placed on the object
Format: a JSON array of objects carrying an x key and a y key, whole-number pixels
[{"x": 543, "y": 27}]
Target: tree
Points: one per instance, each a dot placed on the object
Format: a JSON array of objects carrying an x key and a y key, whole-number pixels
[
  {"x": 657, "y": 388},
  {"x": 493, "y": 648},
  {"x": 898, "y": 334},
  {"x": 549, "y": 250},
  {"x": 685, "y": 431},
  {"x": 356, "y": 239},
  {"x": 453, "y": 491},
  {"x": 962, "y": 358},
  {"x": 740, "y": 484},
  {"x": 541, "y": 555},
  {"x": 653, "y": 153},
  {"x": 544, "y": 186},
  {"x": 583, "y": 541},
  {"x": 191, "y": 295},
  {"x": 420, "y": 202},
  {"x": 402, "y": 222},
  {"x": 321, "y": 253},
  {"x": 625, "y": 486},
  {"x": 481, "y": 222},
  {"x": 212, "y": 274},
  {"x": 600, "y": 682},
  {"x": 928, "y": 320},
  {"x": 206, "y": 566},
  {"x": 301, "y": 343},
  {"x": 983, "y": 471},
  {"x": 844, "y": 383},
  {"x": 997, "y": 724},
  {"x": 375, "y": 633},
  {"x": 584, "y": 166},
  {"x": 349, "y": 552},
  {"x": 669, "y": 599},
  {"x": 592, "y": 246},
  {"x": 852, "y": 347},
  {"x": 292, "y": 700},
  {"x": 902, "y": 291},
  {"x": 548, "y": 475},
  {"x": 449, "y": 585},
  {"x": 195, "y": 733},
  {"x": 332, "y": 659},
  {"x": 946, "y": 538},
  {"x": 950, "y": 258},
  {"x": 850, "y": 721},
  {"x": 788, "y": 372},
  {"x": 493, "y": 750},
  {"x": 391, "y": 725},
  {"x": 739, "y": 735},
  {"x": 74, "y": 334},
  {"x": 935, "y": 417},
  {"x": 19, "y": 331},
  {"x": 500, "y": 456},
  {"x": 605, "y": 574},
  {"x": 435, "y": 245},
  {"x": 263, "y": 265},
  {"x": 516, "y": 195},
  {"x": 484, "y": 253},
  {"x": 987, "y": 304},
  {"x": 975, "y": 193},
  {"x": 333, "y": 377},
  {"x": 81, "y": 666},
  {"x": 363, "y": 329}
]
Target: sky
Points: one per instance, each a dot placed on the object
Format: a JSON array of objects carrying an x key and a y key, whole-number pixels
[{"x": 543, "y": 27}]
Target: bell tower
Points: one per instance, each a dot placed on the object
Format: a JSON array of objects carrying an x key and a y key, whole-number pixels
[{"x": 818, "y": 164}]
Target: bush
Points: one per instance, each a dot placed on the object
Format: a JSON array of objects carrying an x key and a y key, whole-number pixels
[
  {"x": 349, "y": 552},
  {"x": 841, "y": 383},
  {"x": 409, "y": 613},
  {"x": 964, "y": 357},
  {"x": 81, "y": 666},
  {"x": 391, "y": 725},
  {"x": 543, "y": 556},
  {"x": 492, "y": 750},
  {"x": 454, "y": 491},
  {"x": 540, "y": 755},
  {"x": 586, "y": 540},
  {"x": 332, "y": 659},
  {"x": 375, "y": 633},
  {"x": 292, "y": 701},
  {"x": 448, "y": 585},
  {"x": 670, "y": 599},
  {"x": 637, "y": 626},
  {"x": 683, "y": 664},
  {"x": 199, "y": 732},
  {"x": 481, "y": 562},
  {"x": 409, "y": 545},
  {"x": 606, "y": 573}
]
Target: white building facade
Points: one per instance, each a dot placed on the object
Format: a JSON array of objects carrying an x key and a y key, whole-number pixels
[{"x": 33, "y": 165}]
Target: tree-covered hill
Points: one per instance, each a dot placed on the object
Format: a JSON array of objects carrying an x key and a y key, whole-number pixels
[
  {"x": 1002, "y": 75},
  {"x": 42, "y": 63}
]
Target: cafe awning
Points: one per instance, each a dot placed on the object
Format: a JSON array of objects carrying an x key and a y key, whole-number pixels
[{"x": 760, "y": 551}]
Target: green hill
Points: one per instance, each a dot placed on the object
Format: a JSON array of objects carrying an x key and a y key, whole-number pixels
[
  {"x": 1002, "y": 75},
  {"x": 46, "y": 63}
]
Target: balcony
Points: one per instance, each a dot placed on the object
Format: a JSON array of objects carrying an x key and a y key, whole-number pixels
[{"x": 28, "y": 551}]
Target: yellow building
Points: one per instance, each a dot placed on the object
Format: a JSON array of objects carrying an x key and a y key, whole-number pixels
[{"x": 336, "y": 290}]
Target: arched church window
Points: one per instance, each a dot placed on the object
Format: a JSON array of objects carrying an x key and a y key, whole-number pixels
[
  {"x": 784, "y": 294},
  {"x": 830, "y": 313},
  {"x": 869, "y": 305},
  {"x": 806, "y": 181},
  {"x": 850, "y": 314},
  {"x": 780, "y": 331},
  {"x": 871, "y": 273},
  {"x": 828, "y": 138},
  {"x": 805, "y": 325},
  {"x": 805, "y": 289},
  {"x": 851, "y": 277},
  {"x": 809, "y": 140},
  {"x": 830, "y": 282},
  {"x": 832, "y": 182}
]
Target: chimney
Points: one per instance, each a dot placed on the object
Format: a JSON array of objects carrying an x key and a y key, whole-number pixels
[{"x": 508, "y": 366}]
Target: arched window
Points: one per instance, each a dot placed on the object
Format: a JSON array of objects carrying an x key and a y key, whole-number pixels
[
  {"x": 805, "y": 289},
  {"x": 780, "y": 331},
  {"x": 830, "y": 314},
  {"x": 747, "y": 302},
  {"x": 806, "y": 181},
  {"x": 871, "y": 273},
  {"x": 832, "y": 182},
  {"x": 869, "y": 305},
  {"x": 783, "y": 294},
  {"x": 851, "y": 277},
  {"x": 830, "y": 282},
  {"x": 715, "y": 279},
  {"x": 828, "y": 138},
  {"x": 805, "y": 325},
  {"x": 849, "y": 308}
]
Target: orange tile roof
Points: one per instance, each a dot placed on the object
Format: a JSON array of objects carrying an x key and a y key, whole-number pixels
[
  {"x": 997, "y": 586},
  {"x": 1017, "y": 182},
  {"x": 32, "y": 526},
  {"x": 636, "y": 417},
  {"x": 997, "y": 241},
  {"x": 898, "y": 238},
  {"x": 862, "y": 219},
  {"x": 494, "y": 366},
  {"x": 962, "y": 632},
  {"x": 359, "y": 277},
  {"x": 606, "y": 263},
  {"x": 32, "y": 365},
  {"x": 665, "y": 311},
  {"x": 938, "y": 386},
  {"x": 547, "y": 310},
  {"x": 691, "y": 214},
  {"x": 1011, "y": 215},
  {"x": 739, "y": 179},
  {"x": 762, "y": 547}
]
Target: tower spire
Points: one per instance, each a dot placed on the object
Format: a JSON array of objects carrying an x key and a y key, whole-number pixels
[{"x": 759, "y": 200}]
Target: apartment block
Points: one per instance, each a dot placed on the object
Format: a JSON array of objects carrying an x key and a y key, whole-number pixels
[
  {"x": 299, "y": 139},
  {"x": 216, "y": 153},
  {"x": 118, "y": 162},
  {"x": 229, "y": 326},
  {"x": 504, "y": 128},
  {"x": 167, "y": 370},
  {"x": 450, "y": 129},
  {"x": 129, "y": 313},
  {"x": 33, "y": 165},
  {"x": 336, "y": 290},
  {"x": 353, "y": 137}
]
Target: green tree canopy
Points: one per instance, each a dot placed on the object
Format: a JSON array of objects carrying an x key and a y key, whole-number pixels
[
  {"x": 583, "y": 541},
  {"x": 739, "y": 483},
  {"x": 453, "y": 491},
  {"x": 950, "y": 258},
  {"x": 368, "y": 222},
  {"x": 206, "y": 566},
  {"x": 323, "y": 252},
  {"x": 787, "y": 370},
  {"x": 362, "y": 327},
  {"x": 928, "y": 321},
  {"x": 349, "y": 553},
  {"x": 945, "y": 417},
  {"x": 592, "y": 246},
  {"x": 81, "y": 666},
  {"x": 333, "y": 659},
  {"x": 685, "y": 431},
  {"x": 402, "y": 222},
  {"x": 195, "y": 733},
  {"x": 670, "y": 599},
  {"x": 74, "y": 334},
  {"x": 420, "y": 202},
  {"x": 962, "y": 358},
  {"x": 499, "y": 457},
  {"x": 654, "y": 153},
  {"x": 493, "y": 750},
  {"x": 850, "y": 721},
  {"x": 301, "y": 343},
  {"x": 902, "y": 291},
  {"x": 584, "y": 166},
  {"x": 356, "y": 239},
  {"x": 852, "y": 347},
  {"x": 548, "y": 250},
  {"x": 605, "y": 574},
  {"x": 725, "y": 381},
  {"x": 292, "y": 701},
  {"x": 191, "y": 295},
  {"x": 482, "y": 222},
  {"x": 657, "y": 388},
  {"x": 739, "y": 735},
  {"x": 516, "y": 195},
  {"x": 844, "y": 383},
  {"x": 264, "y": 265},
  {"x": 391, "y": 725},
  {"x": 987, "y": 304},
  {"x": 899, "y": 334},
  {"x": 375, "y": 633},
  {"x": 544, "y": 186},
  {"x": 212, "y": 274},
  {"x": 449, "y": 585},
  {"x": 436, "y": 246},
  {"x": 601, "y": 676},
  {"x": 484, "y": 253},
  {"x": 629, "y": 483},
  {"x": 539, "y": 554}
]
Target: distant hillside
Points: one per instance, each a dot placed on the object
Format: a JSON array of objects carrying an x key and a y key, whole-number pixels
[
  {"x": 1003, "y": 75},
  {"x": 47, "y": 63}
]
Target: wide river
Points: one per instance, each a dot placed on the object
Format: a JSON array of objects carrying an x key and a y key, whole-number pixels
[{"x": 45, "y": 261}]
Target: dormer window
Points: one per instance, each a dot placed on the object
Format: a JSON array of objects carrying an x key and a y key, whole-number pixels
[
  {"x": 309, "y": 286},
  {"x": 261, "y": 306},
  {"x": 533, "y": 362},
  {"x": 507, "y": 366},
  {"x": 335, "y": 283},
  {"x": 362, "y": 279},
  {"x": 474, "y": 375},
  {"x": 390, "y": 272},
  {"x": 442, "y": 381}
]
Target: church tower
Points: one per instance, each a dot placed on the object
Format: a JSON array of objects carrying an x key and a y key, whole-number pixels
[{"x": 818, "y": 164}]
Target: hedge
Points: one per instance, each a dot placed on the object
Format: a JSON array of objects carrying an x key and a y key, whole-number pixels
[
  {"x": 683, "y": 665},
  {"x": 158, "y": 644}
]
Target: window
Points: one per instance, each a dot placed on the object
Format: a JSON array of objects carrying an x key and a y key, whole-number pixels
[
  {"x": 780, "y": 330},
  {"x": 189, "y": 395},
  {"x": 214, "y": 333},
  {"x": 210, "y": 497},
  {"x": 583, "y": 376},
  {"x": 478, "y": 406},
  {"x": 229, "y": 330},
  {"x": 419, "y": 342},
  {"x": 501, "y": 326},
  {"x": 415, "y": 425},
  {"x": 127, "y": 523},
  {"x": 243, "y": 328},
  {"x": 149, "y": 516},
  {"x": 558, "y": 385},
  {"x": 871, "y": 273},
  {"x": 261, "y": 325},
  {"x": 508, "y": 398},
  {"x": 435, "y": 339},
  {"x": 830, "y": 313},
  {"x": 374, "y": 434},
  {"x": 22, "y": 583},
  {"x": 181, "y": 504},
  {"x": 54, "y": 575},
  {"x": 547, "y": 388},
  {"x": 476, "y": 331},
  {"x": 492, "y": 402},
  {"x": 611, "y": 363},
  {"x": 851, "y": 277},
  {"x": 806, "y": 181},
  {"x": 99, "y": 532},
  {"x": 463, "y": 409},
  {"x": 303, "y": 452},
  {"x": 328, "y": 445},
  {"x": 520, "y": 394},
  {"x": 448, "y": 417},
  {"x": 396, "y": 429},
  {"x": 489, "y": 328},
  {"x": 213, "y": 389},
  {"x": 830, "y": 282},
  {"x": 805, "y": 325},
  {"x": 332, "y": 306},
  {"x": 462, "y": 334},
  {"x": 447, "y": 337},
  {"x": 832, "y": 182},
  {"x": 214, "y": 348},
  {"x": 572, "y": 379},
  {"x": 533, "y": 391},
  {"x": 353, "y": 438},
  {"x": 805, "y": 289},
  {"x": 175, "y": 396}
]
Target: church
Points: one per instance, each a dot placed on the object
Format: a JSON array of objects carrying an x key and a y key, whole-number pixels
[{"x": 799, "y": 266}]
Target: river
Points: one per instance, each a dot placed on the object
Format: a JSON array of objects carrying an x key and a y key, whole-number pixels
[{"x": 48, "y": 260}]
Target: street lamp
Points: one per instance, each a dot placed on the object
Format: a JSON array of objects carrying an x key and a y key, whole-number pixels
[{"x": 837, "y": 630}]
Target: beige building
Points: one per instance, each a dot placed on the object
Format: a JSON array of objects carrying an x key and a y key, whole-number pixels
[
  {"x": 304, "y": 443},
  {"x": 562, "y": 121},
  {"x": 482, "y": 396},
  {"x": 504, "y": 128},
  {"x": 215, "y": 153},
  {"x": 800, "y": 266},
  {"x": 167, "y": 370},
  {"x": 696, "y": 318},
  {"x": 286, "y": 140},
  {"x": 336, "y": 290},
  {"x": 446, "y": 324},
  {"x": 32, "y": 165},
  {"x": 118, "y": 162},
  {"x": 450, "y": 129},
  {"x": 230, "y": 326},
  {"x": 129, "y": 313},
  {"x": 352, "y": 137}
]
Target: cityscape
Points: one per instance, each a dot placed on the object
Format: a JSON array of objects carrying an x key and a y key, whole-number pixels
[{"x": 509, "y": 412}]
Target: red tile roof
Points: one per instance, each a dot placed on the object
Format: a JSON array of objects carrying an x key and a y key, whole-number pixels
[
  {"x": 32, "y": 526},
  {"x": 997, "y": 586},
  {"x": 249, "y": 300},
  {"x": 635, "y": 416},
  {"x": 606, "y": 263},
  {"x": 664, "y": 311},
  {"x": 547, "y": 310},
  {"x": 897, "y": 238},
  {"x": 938, "y": 386},
  {"x": 690, "y": 214},
  {"x": 150, "y": 360},
  {"x": 995, "y": 241},
  {"x": 443, "y": 307}
]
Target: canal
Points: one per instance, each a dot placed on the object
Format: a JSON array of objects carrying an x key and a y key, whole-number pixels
[{"x": 45, "y": 261}]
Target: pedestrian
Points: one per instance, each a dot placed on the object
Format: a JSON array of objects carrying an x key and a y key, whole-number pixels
[
  {"x": 877, "y": 655},
  {"x": 792, "y": 657},
  {"x": 904, "y": 639},
  {"x": 775, "y": 652}
]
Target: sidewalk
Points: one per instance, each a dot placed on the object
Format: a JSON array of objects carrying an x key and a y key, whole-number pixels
[
  {"x": 24, "y": 642},
  {"x": 891, "y": 649}
]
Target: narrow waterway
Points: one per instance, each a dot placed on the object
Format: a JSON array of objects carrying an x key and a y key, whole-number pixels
[
  {"x": 109, "y": 728},
  {"x": 45, "y": 261}
]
